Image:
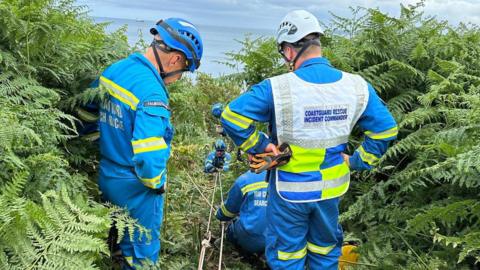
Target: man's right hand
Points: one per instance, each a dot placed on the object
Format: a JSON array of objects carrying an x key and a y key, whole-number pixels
[{"x": 346, "y": 158}]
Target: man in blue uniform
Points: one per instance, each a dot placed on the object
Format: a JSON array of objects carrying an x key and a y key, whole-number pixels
[
  {"x": 135, "y": 130},
  {"x": 218, "y": 160},
  {"x": 313, "y": 108},
  {"x": 247, "y": 200}
]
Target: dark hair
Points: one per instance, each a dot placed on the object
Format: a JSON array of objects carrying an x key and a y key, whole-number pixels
[{"x": 299, "y": 44}]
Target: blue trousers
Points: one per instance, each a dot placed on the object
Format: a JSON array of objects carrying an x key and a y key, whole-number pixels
[
  {"x": 300, "y": 234},
  {"x": 250, "y": 243},
  {"x": 144, "y": 205}
]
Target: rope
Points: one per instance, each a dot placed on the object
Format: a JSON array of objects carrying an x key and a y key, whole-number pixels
[
  {"x": 208, "y": 233},
  {"x": 200, "y": 191},
  {"x": 220, "y": 184},
  {"x": 221, "y": 247},
  {"x": 223, "y": 226},
  {"x": 211, "y": 207}
]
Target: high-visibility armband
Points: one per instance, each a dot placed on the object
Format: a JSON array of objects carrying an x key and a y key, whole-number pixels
[
  {"x": 387, "y": 134},
  {"x": 236, "y": 119},
  {"x": 149, "y": 145},
  {"x": 368, "y": 158}
]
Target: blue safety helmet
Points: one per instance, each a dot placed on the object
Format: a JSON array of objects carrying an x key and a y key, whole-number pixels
[
  {"x": 183, "y": 36},
  {"x": 220, "y": 145},
  {"x": 217, "y": 109}
]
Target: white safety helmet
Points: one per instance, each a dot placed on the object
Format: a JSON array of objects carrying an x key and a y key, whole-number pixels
[{"x": 296, "y": 25}]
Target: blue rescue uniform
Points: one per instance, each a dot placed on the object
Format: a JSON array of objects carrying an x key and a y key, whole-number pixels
[
  {"x": 212, "y": 162},
  {"x": 303, "y": 219},
  {"x": 246, "y": 204},
  {"x": 135, "y": 141}
]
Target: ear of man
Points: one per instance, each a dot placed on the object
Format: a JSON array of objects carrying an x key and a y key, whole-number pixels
[{"x": 177, "y": 59}]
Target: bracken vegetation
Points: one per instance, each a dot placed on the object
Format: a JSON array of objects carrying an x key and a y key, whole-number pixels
[{"x": 419, "y": 209}]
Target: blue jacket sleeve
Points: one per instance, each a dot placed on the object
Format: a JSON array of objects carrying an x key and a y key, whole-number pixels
[
  {"x": 226, "y": 164},
  {"x": 379, "y": 127},
  {"x": 238, "y": 117},
  {"x": 231, "y": 207},
  {"x": 151, "y": 138},
  {"x": 209, "y": 162},
  {"x": 88, "y": 115}
]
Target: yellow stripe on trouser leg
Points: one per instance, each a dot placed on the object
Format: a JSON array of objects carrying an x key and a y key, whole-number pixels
[
  {"x": 149, "y": 145},
  {"x": 304, "y": 160},
  {"x": 254, "y": 186},
  {"x": 236, "y": 119},
  {"x": 383, "y": 135},
  {"x": 299, "y": 254},
  {"x": 368, "y": 158},
  {"x": 226, "y": 212},
  {"x": 318, "y": 249},
  {"x": 250, "y": 142}
]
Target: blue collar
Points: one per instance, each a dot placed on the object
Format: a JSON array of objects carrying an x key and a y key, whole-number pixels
[
  {"x": 142, "y": 59},
  {"x": 314, "y": 61}
]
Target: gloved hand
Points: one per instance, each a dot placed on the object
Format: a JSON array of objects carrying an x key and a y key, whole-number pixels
[
  {"x": 218, "y": 162},
  {"x": 209, "y": 168},
  {"x": 270, "y": 160},
  {"x": 217, "y": 109}
]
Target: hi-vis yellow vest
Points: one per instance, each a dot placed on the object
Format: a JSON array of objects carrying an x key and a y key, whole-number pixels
[{"x": 316, "y": 120}]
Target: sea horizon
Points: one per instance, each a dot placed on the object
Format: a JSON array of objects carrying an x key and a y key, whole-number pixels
[{"x": 217, "y": 40}]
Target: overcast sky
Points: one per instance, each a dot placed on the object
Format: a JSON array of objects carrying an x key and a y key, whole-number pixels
[{"x": 267, "y": 13}]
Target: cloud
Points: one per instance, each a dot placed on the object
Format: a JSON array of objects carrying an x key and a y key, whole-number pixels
[{"x": 267, "y": 13}]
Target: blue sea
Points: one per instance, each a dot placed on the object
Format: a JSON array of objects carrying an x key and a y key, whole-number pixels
[{"x": 217, "y": 40}]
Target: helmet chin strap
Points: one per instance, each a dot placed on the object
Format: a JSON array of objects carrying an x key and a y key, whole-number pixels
[
  {"x": 163, "y": 74},
  {"x": 305, "y": 46}
]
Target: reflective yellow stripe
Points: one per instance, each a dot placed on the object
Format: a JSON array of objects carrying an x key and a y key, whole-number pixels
[
  {"x": 92, "y": 136},
  {"x": 236, "y": 119},
  {"x": 87, "y": 116},
  {"x": 129, "y": 260},
  {"x": 120, "y": 93},
  {"x": 334, "y": 181},
  {"x": 153, "y": 182},
  {"x": 254, "y": 186},
  {"x": 383, "y": 135},
  {"x": 368, "y": 158},
  {"x": 250, "y": 142},
  {"x": 333, "y": 174},
  {"x": 149, "y": 145},
  {"x": 318, "y": 249},
  {"x": 304, "y": 160},
  {"x": 226, "y": 212},
  {"x": 335, "y": 171},
  {"x": 284, "y": 256},
  {"x": 337, "y": 191}
]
